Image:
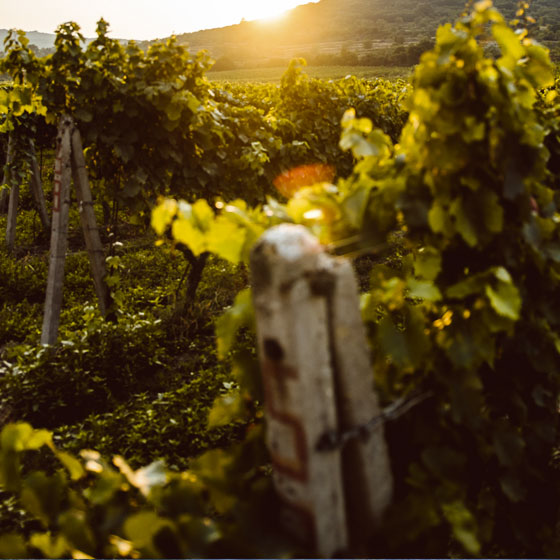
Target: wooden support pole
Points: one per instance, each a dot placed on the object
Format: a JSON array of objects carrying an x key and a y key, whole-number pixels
[
  {"x": 59, "y": 232},
  {"x": 318, "y": 381},
  {"x": 12, "y": 215},
  {"x": 4, "y": 196},
  {"x": 89, "y": 224},
  {"x": 37, "y": 189}
]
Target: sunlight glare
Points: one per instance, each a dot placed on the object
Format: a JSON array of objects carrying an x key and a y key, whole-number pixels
[{"x": 257, "y": 9}]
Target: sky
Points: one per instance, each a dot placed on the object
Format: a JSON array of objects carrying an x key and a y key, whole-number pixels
[{"x": 137, "y": 19}]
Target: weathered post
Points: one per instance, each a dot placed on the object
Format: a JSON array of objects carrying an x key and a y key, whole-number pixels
[
  {"x": 300, "y": 401},
  {"x": 368, "y": 479},
  {"x": 10, "y": 198},
  {"x": 37, "y": 188},
  {"x": 4, "y": 196},
  {"x": 318, "y": 383},
  {"x": 89, "y": 224},
  {"x": 59, "y": 232},
  {"x": 12, "y": 214}
]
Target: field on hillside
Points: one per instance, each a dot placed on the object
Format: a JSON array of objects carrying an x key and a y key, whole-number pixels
[{"x": 274, "y": 75}]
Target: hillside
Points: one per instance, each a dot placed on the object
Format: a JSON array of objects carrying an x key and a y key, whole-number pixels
[
  {"x": 353, "y": 28},
  {"x": 345, "y": 32},
  {"x": 40, "y": 40}
]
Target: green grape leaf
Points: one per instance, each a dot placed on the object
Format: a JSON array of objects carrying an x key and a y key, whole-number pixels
[
  {"x": 241, "y": 314},
  {"x": 163, "y": 214},
  {"x": 226, "y": 239},
  {"x": 226, "y": 409},
  {"x": 438, "y": 218},
  {"x": 105, "y": 487},
  {"x": 508, "y": 41},
  {"x": 493, "y": 212},
  {"x": 51, "y": 546},
  {"x": 141, "y": 527},
  {"x": 424, "y": 289},
  {"x": 73, "y": 465},
  {"x": 22, "y": 437},
  {"x": 185, "y": 232},
  {"x": 203, "y": 215},
  {"x": 505, "y": 300},
  {"x": 427, "y": 263},
  {"x": 464, "y": 526},
  {"x": 463, "y": 222}
]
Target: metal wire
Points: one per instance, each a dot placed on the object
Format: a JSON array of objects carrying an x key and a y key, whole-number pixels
[{"x": 334, "y": 439}]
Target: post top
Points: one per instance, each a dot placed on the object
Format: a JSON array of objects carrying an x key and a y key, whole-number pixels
[{"x": 291, "y": 242}]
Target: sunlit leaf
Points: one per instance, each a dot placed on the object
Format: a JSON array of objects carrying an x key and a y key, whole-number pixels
[
  {"x": 241, "y": 314},
  {"x": 73, "y": 465},
  {"x": 163, "y": 214},
  {"x": 505, "y": 300}
]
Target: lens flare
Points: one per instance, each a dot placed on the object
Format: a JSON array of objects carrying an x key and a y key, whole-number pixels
[{"x": 291, "y": 181}]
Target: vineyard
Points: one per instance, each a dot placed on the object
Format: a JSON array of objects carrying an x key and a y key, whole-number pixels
[{"x": 138, "y": 430}]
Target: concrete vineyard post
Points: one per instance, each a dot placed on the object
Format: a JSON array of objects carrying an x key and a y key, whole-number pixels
[
  {"x": 89, "y": 225},
  {"x": 368, "y": 479},
  {"x": 318, "y": 380},
  {"x": 293, "y": 342},
  {"x": 59, "y": 232}
]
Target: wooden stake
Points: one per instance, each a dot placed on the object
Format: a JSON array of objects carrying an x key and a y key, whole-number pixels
[
  {"x": 37, "y": 189},
  {"x": 59, "y": 232},
  {"x": 12, "y": 215},
  {"x": 6, "y": 180},
  {"x": 89, "y": 224},
  {"x": 293, "y": 341}
]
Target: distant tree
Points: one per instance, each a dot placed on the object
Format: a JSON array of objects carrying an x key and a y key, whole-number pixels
[
  {"x": 348, "y": 57},
  {"x": 224, "y": 63},
  {"x": 277, "y": 62},
  {"x": 414, "y": 51}
]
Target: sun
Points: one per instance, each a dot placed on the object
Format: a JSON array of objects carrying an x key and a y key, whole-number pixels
[{"x": 268, "y": 9}]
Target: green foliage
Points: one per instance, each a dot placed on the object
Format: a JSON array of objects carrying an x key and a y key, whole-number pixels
[
  {"x": 94, "y": 368},
  {"x": 171, "y": 425},
  {"x": 470, "y": 187},
  {"x": 90, "y": 507},
  {"x": 22, "y": 279},
  {"x": 254, "y": 76}
]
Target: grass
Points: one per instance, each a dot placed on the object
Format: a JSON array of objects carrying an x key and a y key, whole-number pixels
[{"x": 321, "y": 72}]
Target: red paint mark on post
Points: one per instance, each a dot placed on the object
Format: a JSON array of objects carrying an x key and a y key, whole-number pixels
[
  {"x": 274, "y": 378},
  {"x": 57, "y": 183}
]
